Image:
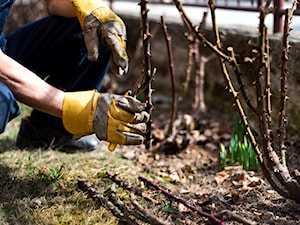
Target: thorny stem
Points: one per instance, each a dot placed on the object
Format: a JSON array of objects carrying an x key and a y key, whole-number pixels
[
  {"x": 276, "y": 172},
  {"x": 195, "y": 29},
  {"x": 199, "y": 61},
  {"x": 223, "y": 57},
  {"x": 234, "y": 93},
  {"x": 182, "y": 201},
  {"x": 199, "y": 105},
  {"x": 281, "y": 130},
  {"x": 117, "y": 207},
  {"x": 259, "y": 71},
  {"x": 147, "y": 66},
  {"x": 125, "y": 185},
  {"x": 197, "y": 71},
  {"x": 282, "y": 184},
  {"x": 268, "y": 80},
  {"x": 124, "y": 207},
  {"x": 91, "y": 192},
  {"x": 172, "y": 73},
  {"x": 238, "y": 75},
  {"x": 150, "y": 217}
]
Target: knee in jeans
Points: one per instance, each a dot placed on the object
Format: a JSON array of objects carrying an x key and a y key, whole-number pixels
[{"x": 8, "y": 106}]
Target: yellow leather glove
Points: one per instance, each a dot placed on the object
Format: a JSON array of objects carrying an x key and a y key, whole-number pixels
[
  {"x": 97, "y": 20},
  {"x": 115, "y": 118}
]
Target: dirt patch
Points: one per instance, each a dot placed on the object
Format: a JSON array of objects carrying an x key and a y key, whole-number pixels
[{"x": 239, "y": 196}]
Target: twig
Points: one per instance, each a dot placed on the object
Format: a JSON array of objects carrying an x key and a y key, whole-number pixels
[
  {"x": 92, "y": 193},
  {"x": 181, "y": 200},
  {"x": 190, "y": 59},
  {"x": 199, "y": 35},
  {"x": 151, "y": 219},
  {"x": 117, "y": 201},
  {"x": 140, "y": 213},
  {"x": 281, "y": 130},
  {"x": 147, "y": 66},
  {"x": 199, "y": 103},
  {"x": 193, "y": 48},
  {"x": 125, "y": 185},
  {"x": 239, "y": 80},
  {"x": 199, "y": 61},
  {"x": 236, "y": 217},
  {"x": 172, "y": 73}
]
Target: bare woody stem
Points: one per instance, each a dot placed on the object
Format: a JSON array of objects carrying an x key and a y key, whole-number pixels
[
  {"x": 238, "y": 75},
  {"x": 233, "y": 92},
  {"x": 193, "y": 48},
  {"x": 182, "y": 201},
  {"x": 147, "y": 66},
  {"x": 224, "y": 58},
  {"x": 172, "y": 73},
  {"x": 274, "y": 168},
  {"x": 91, "y": 192},
  {"x": 195, "y": 29},
  {"x": 281, "y": 130}
]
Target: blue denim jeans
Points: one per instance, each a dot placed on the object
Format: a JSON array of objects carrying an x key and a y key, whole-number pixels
[{"x": 53, "y": 48}]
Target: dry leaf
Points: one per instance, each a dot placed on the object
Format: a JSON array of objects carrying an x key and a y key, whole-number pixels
[
  {"x": 233, "y": 193},
  {"x": 187, "y": 168},
  {"x": 201, "y": 193},
  {"x": 182, "y": 208},
  {"x": 174, "y": 177},
  {"x": 221, "y": 177},
  {"x": 184, "y": 191}
]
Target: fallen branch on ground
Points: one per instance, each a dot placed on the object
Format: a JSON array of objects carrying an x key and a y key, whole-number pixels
[
  {"x": 182, "y": 201},
  {"x": 124, "y": 212}
]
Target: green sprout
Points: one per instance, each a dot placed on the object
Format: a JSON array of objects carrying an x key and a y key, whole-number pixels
[
  {"x": 168, "y": 207},
  {"x": 223, "y": 156},
  {"x": 240, "y": 150}
]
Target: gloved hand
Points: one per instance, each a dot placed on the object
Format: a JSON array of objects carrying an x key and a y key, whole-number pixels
[
  {"x": 114, "y": 118},
  {"x": 97, "y": 20}
]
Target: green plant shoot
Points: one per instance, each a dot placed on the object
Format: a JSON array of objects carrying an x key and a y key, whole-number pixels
[{"x": 240, "y": 150}]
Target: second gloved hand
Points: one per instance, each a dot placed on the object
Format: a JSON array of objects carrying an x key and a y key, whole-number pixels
[
  {"x": 115, "y": 118},
  {"x": 98, "y": 22}
]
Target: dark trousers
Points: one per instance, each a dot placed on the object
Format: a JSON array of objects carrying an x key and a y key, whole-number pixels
[{"x": 54, "y": 49}]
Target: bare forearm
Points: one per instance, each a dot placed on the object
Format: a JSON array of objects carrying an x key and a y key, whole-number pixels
[
  {"x": 28, "y": 88},
  {"x": 60, "y": 8}
]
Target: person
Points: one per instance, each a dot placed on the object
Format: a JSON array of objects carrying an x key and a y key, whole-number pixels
[{"x": 56, "y": 65}]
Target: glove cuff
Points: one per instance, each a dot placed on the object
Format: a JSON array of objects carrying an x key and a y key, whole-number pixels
[
  {"x": 78, "y": 111},
  {"x": 83, "y": 8}
]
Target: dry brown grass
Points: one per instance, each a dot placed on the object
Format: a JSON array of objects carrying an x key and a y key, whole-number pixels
[{"x": 39, "y": 186}]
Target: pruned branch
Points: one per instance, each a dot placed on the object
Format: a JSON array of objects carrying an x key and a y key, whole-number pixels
[
  {"x": 118, "y": 208},
  {"x": 151, "y": 219},
  {"x": 91, "y": 192},
  {"x": 172, "y": 73},
  {"x": 181, "y": 200}
]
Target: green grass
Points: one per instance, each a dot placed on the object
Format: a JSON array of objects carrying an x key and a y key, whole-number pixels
[{"x": 39, "y": 186}]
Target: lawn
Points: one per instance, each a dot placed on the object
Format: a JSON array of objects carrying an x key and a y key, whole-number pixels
[{"x": 39, "y": 186}]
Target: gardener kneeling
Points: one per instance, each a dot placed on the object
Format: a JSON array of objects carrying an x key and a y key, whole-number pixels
[{"x": 72, "y": 50}]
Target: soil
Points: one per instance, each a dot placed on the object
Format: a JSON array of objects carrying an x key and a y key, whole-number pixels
[{"x": 189, "y": 169}]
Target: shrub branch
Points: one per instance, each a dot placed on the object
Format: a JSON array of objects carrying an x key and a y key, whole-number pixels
[{"x": 274, "y": 167}]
